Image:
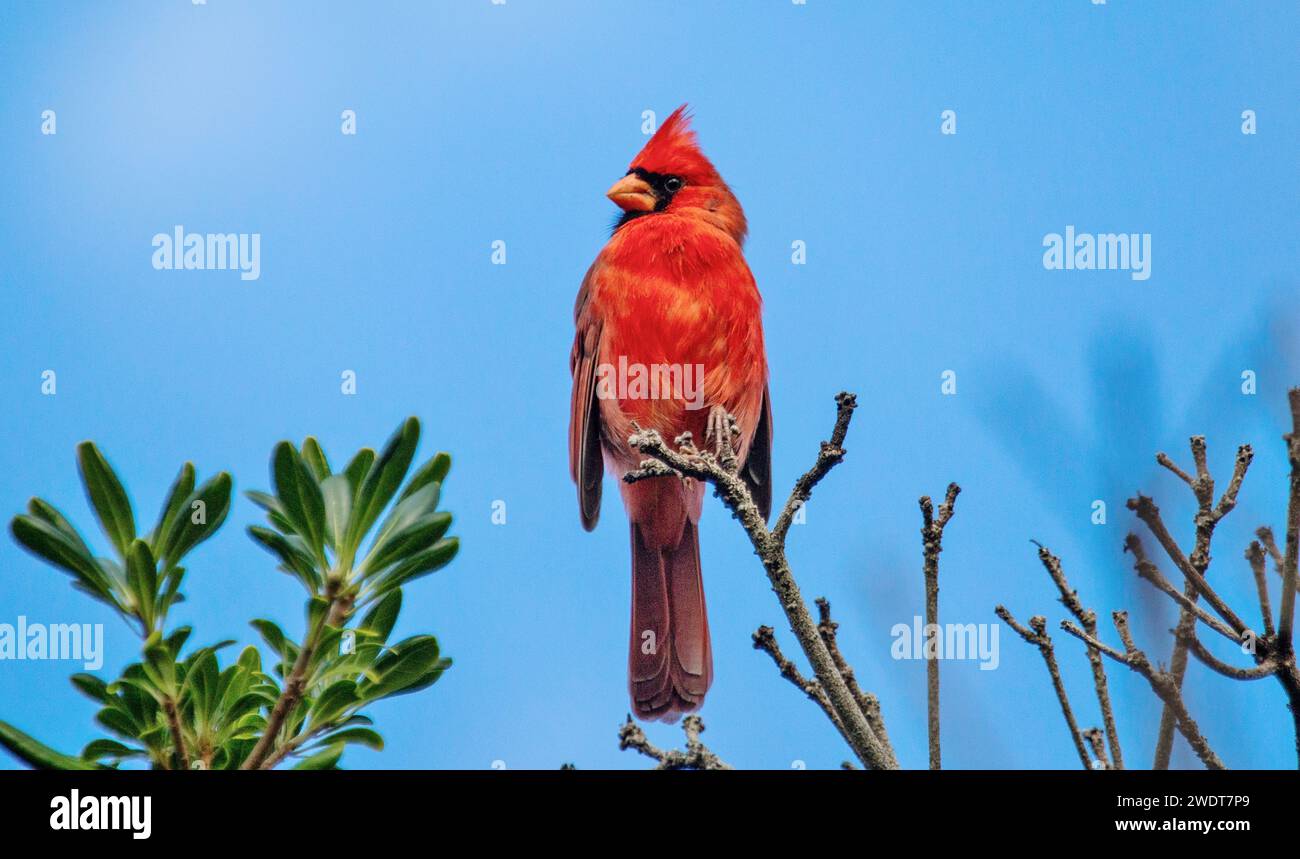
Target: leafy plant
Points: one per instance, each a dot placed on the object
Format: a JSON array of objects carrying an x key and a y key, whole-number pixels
[{"x": 187, "y": 712}]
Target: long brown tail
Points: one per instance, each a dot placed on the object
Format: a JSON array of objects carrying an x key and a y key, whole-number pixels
[{"x": 670, "y": 660}]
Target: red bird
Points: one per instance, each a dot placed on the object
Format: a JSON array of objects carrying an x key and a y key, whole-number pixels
[{"x": 669, "y": 327}]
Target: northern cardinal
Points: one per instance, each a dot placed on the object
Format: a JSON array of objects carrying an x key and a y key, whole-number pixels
[{"x": 668, "y": 297}]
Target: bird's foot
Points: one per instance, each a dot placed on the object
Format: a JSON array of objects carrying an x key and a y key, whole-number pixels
[{"x": 722, "y": 430}]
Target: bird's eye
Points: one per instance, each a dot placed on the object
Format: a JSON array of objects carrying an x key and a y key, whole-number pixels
[{"x": 673, "y": 185}]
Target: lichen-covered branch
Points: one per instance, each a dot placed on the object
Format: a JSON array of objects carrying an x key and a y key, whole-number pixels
[
  {"x": 1037, "y": 636},
  {"x": 719, "y": 470},
  {"x": 1161, "y": 682},
  {"x": 1097, "y": 740},
  {"x": 1088, "y": 619},
  {"x": 829, "y": 455},
  {"x": 1194, "y": 568},
  {"x": 1147, "y": 570},
  {"x": 867, "y": 702},
  {"x": 765, "y": 640},
  {"x": 1256, "y": 558},
  {"x": 697, "y": 756},
  {"x": 1286, "y": 612},
  {"x": 932, "y": 544}
]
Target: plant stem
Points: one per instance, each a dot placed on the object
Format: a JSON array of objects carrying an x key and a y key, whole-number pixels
[
  {"x": 180, "y": 757},
  {"x": 295, "y": 683}
]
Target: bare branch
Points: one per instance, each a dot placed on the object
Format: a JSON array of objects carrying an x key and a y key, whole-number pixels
[
  {"x": 1095, "y": 739},
  {"x": 1088, "y": 618},
  {"x": 765, "y": 640},
  {"x": 1193, "y": 568},
  {"x": 1149, "y": 513},
  {"x": 1266, "y": 668},
  {"x": 1039, "y": 638},
  {"x": 1255, "y": 557},
  {"x": 696, "y": 757},
  {"x": 705, "y": 466},
  {"x": 1162, "y": 683},
  {"x": 1265, "y": 535},
  {"x": 867, "y": 702},
  {"x": 1147, "y": 570},
  {"x": 1229, "y": 498},
  {"x": 1289, "y": 573},
  {"x": 932, "y": 544},
  {"x": 830, "y": 455},
  {"x": 1163, "y": 459}
]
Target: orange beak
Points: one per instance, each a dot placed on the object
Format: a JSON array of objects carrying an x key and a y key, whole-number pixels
[{"x": 632, "y": 194}]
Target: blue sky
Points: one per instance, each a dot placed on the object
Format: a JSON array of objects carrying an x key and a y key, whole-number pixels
[{"x": 479, "y": 122}]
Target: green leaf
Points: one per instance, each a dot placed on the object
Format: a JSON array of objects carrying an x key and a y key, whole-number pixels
[
  {"x": 250, "y": 659},
  {"x": 177, "y": 640},
  {"x": 53, "y": 545},
  {"x": 362, "y": 736},
  {"x": 401, "y": 667},
  {"x": 338, "y": 507},
  {"x": 142, "y": 580},
  {"x": 325, "y": 760},
  {"x": 47, "y": 512},
  {"x": 300, "y": 495},
  {"x": 97, "y": 749},
  {"x": 159, "y": 664},
  {"x": 175, "y": 502},
  {"x": 317, "y": 609},
  {"x": 422, "y": 563},
  {"x": 36, "y": 754},
  {"x": 271, "y": 634},
  {"x": 333, "y": 702},
  {"x": 358, "y": 468},
  {"x": 267, "y": 502},
  {"x": 202, "y": 681},
  {"x": 107, "y": 496},
  {"x": 184, "y": 533},
  {"x": 381, "y": 619},
  {"x": 409, "y": 509},
  {"x": 433, "y": 471},
  {"x": 315, "y": 457},
  {"x": 293, "y": 554},
  {"x": 410, "y": 540},
  {"x": 382, "y": 481},
  {"x": 428, "y": 678},
  {"x": 118, "y": 721},
  {"x": 92, "y": 687}
]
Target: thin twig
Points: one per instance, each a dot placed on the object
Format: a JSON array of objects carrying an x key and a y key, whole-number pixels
[
  {"x": 1266, "y": 668},
  {"x": 830, "y": 454},
  {"x": 1193, "y": 568},
  {"x": 867, "y": 702},
  {"x": 1088, "y": 618},
  {"x": 696, "y": 757},
  {"x": 1039, "y": 638},
  {"x": 765, "y": 640},
  {"x": 1097, "y": 740},
  {"x": 1266, "y": 538},
  {"x": 1255, "y": 557},
  {"x": 1149, "y": 513},
  {"x": 932, "y": 544},
  {"x": 1289, "y": 572},
  {"x": 1147, "y": 570},
  {"x": 1162, "y": 683}
]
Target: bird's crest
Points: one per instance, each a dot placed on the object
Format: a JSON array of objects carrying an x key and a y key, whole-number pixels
[{"x": 673, "y": 150}]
